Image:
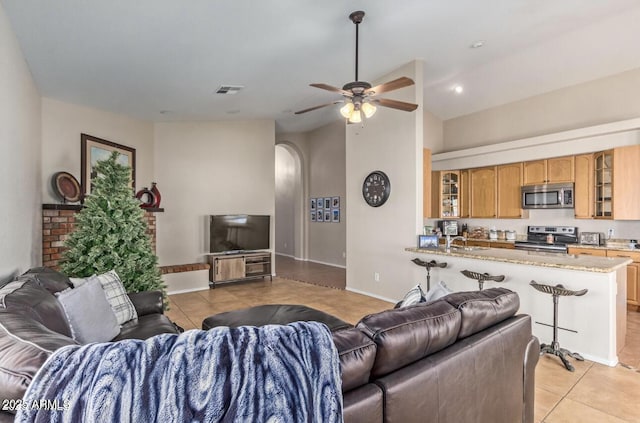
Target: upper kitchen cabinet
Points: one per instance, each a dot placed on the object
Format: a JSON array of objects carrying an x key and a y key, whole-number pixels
[
  {"x": 464, "y": 193},
  {"x": 616, "y": 175},
  {"x": 450, "y": 193},
  {"x": 583, "y": 190},
  {"x": 482, "y": 187},
  {"x": 549, "y": 171},
  {"x": 509, "y": 180},
  {"x": 426, "y": 182}
]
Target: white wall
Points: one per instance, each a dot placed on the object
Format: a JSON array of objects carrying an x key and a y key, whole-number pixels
[
  {"x": 20, "y": 186},
  {"x": 62, "y": 124},
  {"x": 433, "y": 132},
  {"x": 604, "y": 100},
  {"x": 288, "y": 183},
  {"x": 327, "y": 174},
  {"x": 391, "y": 141},
  {"x": 205, "y": 168}
]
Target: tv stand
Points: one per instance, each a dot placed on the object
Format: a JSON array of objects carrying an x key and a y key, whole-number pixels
[{"x": 239, "y": 266}]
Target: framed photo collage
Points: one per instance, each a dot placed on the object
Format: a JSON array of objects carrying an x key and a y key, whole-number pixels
[{"x": 325, "y": 209}]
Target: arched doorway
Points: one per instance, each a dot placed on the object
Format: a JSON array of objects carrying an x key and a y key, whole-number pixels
[{"x": 290, "y": 236}]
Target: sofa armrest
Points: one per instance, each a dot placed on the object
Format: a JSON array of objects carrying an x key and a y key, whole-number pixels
[{"x": 147, "y": 302}]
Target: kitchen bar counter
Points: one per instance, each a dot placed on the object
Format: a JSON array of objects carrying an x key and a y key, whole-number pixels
[
  {"x": 532, "y": 258},
  {"x": 593, "y": 325}
]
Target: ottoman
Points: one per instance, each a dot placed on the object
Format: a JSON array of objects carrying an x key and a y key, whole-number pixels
[{"x": 273, "y": 314}]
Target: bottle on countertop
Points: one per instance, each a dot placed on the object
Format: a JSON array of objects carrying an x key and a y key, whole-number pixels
[{"x": 465, "y": 230}]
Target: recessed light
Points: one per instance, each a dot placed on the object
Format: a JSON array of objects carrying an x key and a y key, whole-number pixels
[
  {"x": 458, "y": 89},
  {"x": 477, "y": 44}
]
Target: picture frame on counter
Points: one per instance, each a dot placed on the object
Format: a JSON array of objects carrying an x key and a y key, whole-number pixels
[{"x": 428, "y": 241}]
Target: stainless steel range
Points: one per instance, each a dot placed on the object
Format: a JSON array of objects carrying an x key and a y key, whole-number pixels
[{"x": 552, "y": 239}]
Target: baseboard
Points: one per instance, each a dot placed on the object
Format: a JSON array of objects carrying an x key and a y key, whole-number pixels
[
  {"x": 184, "y": 291},
  {"x": 288, "y": 255},
  {"x": 369, "y": 294}
]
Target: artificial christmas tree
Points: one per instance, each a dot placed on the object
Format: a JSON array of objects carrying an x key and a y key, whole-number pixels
[{"x": 110, "y": 233}]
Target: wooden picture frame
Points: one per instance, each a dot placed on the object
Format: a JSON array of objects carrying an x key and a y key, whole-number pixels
[{"x": 94, "y": 149}]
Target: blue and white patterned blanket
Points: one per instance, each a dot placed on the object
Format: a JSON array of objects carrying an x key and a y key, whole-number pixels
[{"x": 248, "y": 374}]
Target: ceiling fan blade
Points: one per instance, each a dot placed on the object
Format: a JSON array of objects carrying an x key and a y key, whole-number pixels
[
  {"x": 395, "y": 104},
  {"x": 332, "y": 89},
  {"x": 390, "y": 86},
  {"x": 317, "y": 107}
]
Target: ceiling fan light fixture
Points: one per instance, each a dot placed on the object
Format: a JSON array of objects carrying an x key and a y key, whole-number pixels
[
  {"x": 368, "y": 109},
  {"x": 347, "y": 110},
  {"x": 356, "y": 117}
]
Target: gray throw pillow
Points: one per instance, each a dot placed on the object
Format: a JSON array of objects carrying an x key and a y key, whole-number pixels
[
  {"x": 117, "y": 297},
  {"x": 89, "y": 314}
]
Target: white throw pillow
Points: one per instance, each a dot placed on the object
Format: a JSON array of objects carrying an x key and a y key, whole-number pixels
[
  {"x": 438, "y": 291},
  {"x": 117, "y": 297},
  {"x": 89, "y": 314},
  {"x": 77, "y": 282}
]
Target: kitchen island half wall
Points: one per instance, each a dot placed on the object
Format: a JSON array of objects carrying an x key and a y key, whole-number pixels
[{"x": 593, "y": 325}]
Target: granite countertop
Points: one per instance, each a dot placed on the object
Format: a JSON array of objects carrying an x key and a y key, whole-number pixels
[{"x": 532, "y": 258}]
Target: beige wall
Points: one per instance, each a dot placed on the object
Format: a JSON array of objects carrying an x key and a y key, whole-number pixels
[
  {"x": 433, "y": 132},
  {"x": 62, "y": 124},
  {"x": 288, "y": 194},
  {"x": 20, "y": 185},
  {"x": 392, "y": 141},
  {"x": 205, "y": 168},
  {"x": 596, "y": 102}
]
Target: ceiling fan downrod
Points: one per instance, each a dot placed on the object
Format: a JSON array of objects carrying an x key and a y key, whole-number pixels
[{"x": 356, "y": 18}]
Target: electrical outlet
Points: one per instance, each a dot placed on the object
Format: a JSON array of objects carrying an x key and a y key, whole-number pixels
[
  {"x": 610, "y": 233},
  {"x": 376, "y": 277}
]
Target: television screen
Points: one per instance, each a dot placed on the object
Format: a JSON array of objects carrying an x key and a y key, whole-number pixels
[{"x": 238, "y": 232}]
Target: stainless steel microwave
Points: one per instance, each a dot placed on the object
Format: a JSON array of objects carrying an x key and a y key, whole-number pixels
[{"x": 548, "y": 196}]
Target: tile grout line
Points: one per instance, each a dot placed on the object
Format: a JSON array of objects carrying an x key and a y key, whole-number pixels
[{"x": 567, "y": 393}]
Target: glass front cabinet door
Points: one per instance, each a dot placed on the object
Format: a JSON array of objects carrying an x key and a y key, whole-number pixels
[
  {"x": 603, "y": 184},
  {"x": 450, "y": 194}
]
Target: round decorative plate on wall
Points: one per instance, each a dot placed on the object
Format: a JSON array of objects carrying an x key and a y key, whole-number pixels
[
  {"x": 376, "y": 188},
  {"x": 66, "y": 186}
]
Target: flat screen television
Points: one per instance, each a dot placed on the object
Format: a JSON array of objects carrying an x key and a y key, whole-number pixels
[{"x": 238, "y": 232}]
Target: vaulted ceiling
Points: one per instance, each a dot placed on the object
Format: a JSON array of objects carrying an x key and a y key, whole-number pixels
[{"x": 163, "y": 60}]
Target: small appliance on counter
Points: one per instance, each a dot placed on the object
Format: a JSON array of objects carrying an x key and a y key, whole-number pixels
[
  {"x": 510, "y": 235},
  {"x": 592, "y": 238},
  {"x": 448, "y": 227}
]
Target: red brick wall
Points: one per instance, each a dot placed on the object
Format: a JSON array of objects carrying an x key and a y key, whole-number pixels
[{"x": 58, "y": 221}]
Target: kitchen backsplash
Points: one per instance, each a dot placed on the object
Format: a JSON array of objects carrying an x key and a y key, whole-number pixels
[{"x": 622, "y": 229}]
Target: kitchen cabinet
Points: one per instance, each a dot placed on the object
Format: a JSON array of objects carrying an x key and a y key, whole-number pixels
[
  {"x": 448, "y": 194},
  {"x": 616, "y": 188},
  {"x": 509, "y": 180},
  {"x": 549, "y": 171},
  {"x": 583, "y": 187},
  {"x": 464, "y": 193},
  {"x": 587, "y": 251},
  {"x": 482, "y": 185},
  {"x": 633, "y": 272}
]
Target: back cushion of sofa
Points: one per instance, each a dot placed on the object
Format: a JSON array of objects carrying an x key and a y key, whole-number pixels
[
  {"x": 408, "y": 334},
  {"x": 49, "y": 279},
  {"x": 29, "y": 298},
  {"x": 25, "y": 345},
  {"x": 357, "y": 354},
  {"x": 482, "y": 309}
]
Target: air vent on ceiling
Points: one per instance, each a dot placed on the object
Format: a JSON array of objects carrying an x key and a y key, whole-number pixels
[{"x": 229, "y": 89}]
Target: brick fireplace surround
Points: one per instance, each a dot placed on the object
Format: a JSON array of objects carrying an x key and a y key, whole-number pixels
[{"x": 58, "y": 221}]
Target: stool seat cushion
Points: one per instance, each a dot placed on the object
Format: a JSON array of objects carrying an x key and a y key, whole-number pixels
[{"x": 273, "y": 314}]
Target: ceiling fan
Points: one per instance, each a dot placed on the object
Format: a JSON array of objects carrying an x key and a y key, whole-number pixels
[{"x": 360, "y": 96}]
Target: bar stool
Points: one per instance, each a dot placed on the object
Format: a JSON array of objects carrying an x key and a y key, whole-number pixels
[
  {"x": 554, "y": 348},
  {"x": 428, "y": 265},
  {"x": 482, "y": 277}
]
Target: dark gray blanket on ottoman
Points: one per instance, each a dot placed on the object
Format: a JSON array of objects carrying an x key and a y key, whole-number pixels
[{"x": 247, "y": 374}]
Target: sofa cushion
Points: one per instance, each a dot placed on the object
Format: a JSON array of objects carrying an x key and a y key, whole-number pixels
[
  {"x": 482, "y": 309},
  {"x": 90, "y": 316},
  {"x": 27, "y": 296},
  {"x": 25, "y": 344},
  {"x": 357, "y": 354},
  {"x": 49, "y": 279},
  {"x": 145, "y": 327},
  {"x": 117, "y": 297},
  {"x": 407, "y": 334}
]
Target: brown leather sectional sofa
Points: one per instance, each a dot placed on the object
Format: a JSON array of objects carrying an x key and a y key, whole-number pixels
[
  {"x": 465, "y": 358},
  {"x": 33, "y": 325}
]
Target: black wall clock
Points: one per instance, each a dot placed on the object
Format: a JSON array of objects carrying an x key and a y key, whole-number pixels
[{"x": 376, "y": 188}]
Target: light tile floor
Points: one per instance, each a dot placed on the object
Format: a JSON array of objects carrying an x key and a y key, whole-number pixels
[{"x": 593, "y": 393}]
